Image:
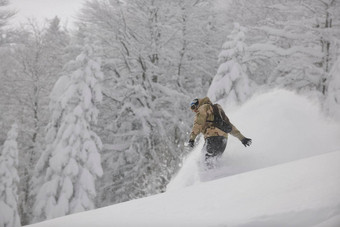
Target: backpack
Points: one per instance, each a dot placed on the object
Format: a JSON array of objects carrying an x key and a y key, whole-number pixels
[{"x": 221, "y": 121}]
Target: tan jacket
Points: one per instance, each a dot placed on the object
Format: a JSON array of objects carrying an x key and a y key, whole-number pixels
[{"x": 205, "y": 113}]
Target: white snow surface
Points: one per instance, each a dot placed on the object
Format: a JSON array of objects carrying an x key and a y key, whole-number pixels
[
  {"x": 290, "y": 176},
  {"x": 300, "y": 193}
]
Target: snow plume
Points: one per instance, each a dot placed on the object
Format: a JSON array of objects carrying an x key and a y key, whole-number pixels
[
  {"x": 9, "y": 179},
  {"x": 231, "y": 84},
  {"x": 284, "y": 127},
  {"x": 71, "y": 162}
]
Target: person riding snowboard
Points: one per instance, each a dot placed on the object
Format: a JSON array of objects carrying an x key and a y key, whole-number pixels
[{"x": 215, "y": 138}]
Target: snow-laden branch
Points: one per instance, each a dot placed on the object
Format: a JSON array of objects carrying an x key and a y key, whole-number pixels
[
  {"x": 259, "y": 47},
  {"x": 285, "y": 34}
]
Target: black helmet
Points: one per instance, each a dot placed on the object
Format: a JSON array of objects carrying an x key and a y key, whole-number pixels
[{"x": 194, "y": 104}]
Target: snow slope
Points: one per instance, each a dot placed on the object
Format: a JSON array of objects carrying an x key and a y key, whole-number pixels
[
  {"x": 301, "y": 193},
  {"x": 290, "y": 176}
]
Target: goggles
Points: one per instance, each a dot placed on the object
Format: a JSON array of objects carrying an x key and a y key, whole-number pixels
[{"x": 194, "y": 104}]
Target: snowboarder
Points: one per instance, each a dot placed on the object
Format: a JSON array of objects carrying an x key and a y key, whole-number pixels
[{"x": 215, "y": 138}]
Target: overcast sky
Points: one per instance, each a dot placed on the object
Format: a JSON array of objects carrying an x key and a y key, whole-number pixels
[
  {"x": 66, "y": 10},
  {"x": 41, "y": 9}
]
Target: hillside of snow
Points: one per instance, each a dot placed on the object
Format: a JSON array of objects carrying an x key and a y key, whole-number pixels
[
  {"x": 300, "y": 193},
  {"x": 290, "y": 176}
]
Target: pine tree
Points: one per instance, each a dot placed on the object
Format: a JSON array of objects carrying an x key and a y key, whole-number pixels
[
  {"x": 9, "y": 215},
  {"x": 71, "y": 162},
  {"x": 231, "y": 84}
]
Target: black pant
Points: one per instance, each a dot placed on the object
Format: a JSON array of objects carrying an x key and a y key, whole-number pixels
[{"x": 214, "y": 147}]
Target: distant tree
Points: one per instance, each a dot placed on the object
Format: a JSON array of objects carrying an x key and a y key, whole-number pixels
[
  {"x": 56, "y": 41},
  {"x": 6, "y": 64},
  {"x": 5, "y": 16},
  {"x": 195, "y": 45},
  {"x": 300, "y": 37},
  {"x": 9, "y": 215},
  {"x": 8, "y": 101},
  {"x": 69, "y": 166},
  {"x": 251, "y": 15},
  {"x": 231, "y": 85},
  {"x": 332, "y": 103}
]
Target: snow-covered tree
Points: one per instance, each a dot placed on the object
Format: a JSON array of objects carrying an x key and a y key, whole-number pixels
[
  {"x": 157, "y": 55},
  {"x": 296, "y": 40},
  {"x": 9, "y": 178},
  {"x": 231, "y": 84},
  {"x": 5, "y": 16},
  {"x": 5, "y": 66},
  {"x": 71, "y": 162},
  {"x": 34, "y": 63},
  {"x": 291, "y": 44},
  {"x": 195, "y": 45},
  {"x": 332, "y": 103},
  {"x": 304, "y": 43}
]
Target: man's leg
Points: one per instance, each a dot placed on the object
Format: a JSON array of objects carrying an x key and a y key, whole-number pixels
[{"x": 214, "y": 147}]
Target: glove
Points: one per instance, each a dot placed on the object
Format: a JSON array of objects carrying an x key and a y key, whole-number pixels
[
  {"x": 191, "y": 143},
  {"x": 246, "y": 142}
]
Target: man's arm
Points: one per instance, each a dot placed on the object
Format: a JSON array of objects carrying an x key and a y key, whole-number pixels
[
  {"x": 199, "y": 122},
  {"x": 235, "y": 132}
]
